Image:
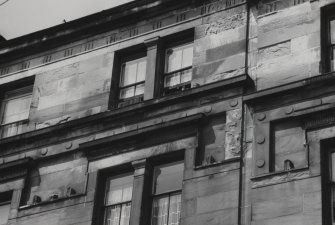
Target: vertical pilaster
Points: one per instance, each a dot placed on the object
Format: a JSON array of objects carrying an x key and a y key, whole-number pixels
[
  {"x": 153, "y": 64},
  {"x": 140, "y": 208}
]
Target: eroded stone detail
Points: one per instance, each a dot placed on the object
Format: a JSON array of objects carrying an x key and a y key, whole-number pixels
[
  {"x": 226, "y": 24},
  {"x": 275, "y": 51},
  {"x": 290, "y": 176}
]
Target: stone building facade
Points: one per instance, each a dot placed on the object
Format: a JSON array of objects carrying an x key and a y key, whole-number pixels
[{"x": 172, "y": 112}]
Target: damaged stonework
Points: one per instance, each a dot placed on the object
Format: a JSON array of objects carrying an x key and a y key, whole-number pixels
[
  {"x": 233, "y": 134},
  {"x": 224, "y": 75},
  {"x": 277, "y": 50},
  {"x": 224, "y": 24}
]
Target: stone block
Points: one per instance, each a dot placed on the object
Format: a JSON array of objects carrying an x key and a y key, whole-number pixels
[
  {"x": 218, "y": 201},
  {"x": 274, "y": 51},
  {"x": 281, "y": 207}
]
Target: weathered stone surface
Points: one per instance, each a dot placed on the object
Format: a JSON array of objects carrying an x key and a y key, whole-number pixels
[
  {"x": 226, "y": 24},
  {"x": 275, "y": 51}
]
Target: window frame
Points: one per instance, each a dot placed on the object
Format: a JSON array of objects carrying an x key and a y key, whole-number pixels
[
  {"x": 132, "y": 84},
  {"x": 168, "y": 193},
  {"x": 105, "y": 206},
  {"x": 327, "y": 148},
  {"x": 327, "y": 14},
  {"x": 19, "y": 92},
  {"x": 174, "y": 41},
  {"x": 121, "y": 57},
  {"x": 145, "y": 210},
  {"x": 101, "y": 189}
]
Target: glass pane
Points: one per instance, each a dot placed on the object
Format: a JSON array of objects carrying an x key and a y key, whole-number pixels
[
  {"x": 112, "y": 215},
  {"x": 127, "y": 92},
  {"x": 172, "y": 80},
  {"x": 168, "y": 177},
  {"x": 332, "y": 32},
  {"x": 187, "y": 56},
  {"x": 119, "y": 189},
  {"x": 141, "y": 71},
  {"x": 332, "y": 64},
  {"x": 333, "y": 166},
  {"x": 4, "y": 213},
  {"x": 174, "y": 209},
  {"x": 186, "y": 76},
  {"x": 125, "y": 214},
  {"x": 16, "y": 109},
  {"x": 13, "y": 129},
  {"x": 139, "y": 89},
  {"x": 128, "y": 73},
  {"x": 160, "y": 211},
  {"x": 174, "y": 59}
]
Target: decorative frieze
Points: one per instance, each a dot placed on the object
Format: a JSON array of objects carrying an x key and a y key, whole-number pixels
[{"x": 131, "y": 32}]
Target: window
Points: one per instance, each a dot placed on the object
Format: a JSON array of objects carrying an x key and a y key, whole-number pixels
[
  {"x": 178, "y": 68},
  {"x": 118, "y": 200},
  {"x": 328, "y": 38},
  {"x": 212, "y": 141},
  {"x": 331, "y": 42},
  {"x": 328, "y": 184},
  {"x": 15, "y": 111},
  {"x": 5, "y": 201},
  {"x": 288, "y": 146},
  {"x": 167, "y": 185},
  {"x": 132, "y": 81}
]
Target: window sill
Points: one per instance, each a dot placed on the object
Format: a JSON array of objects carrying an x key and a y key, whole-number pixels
[
  {"x": 199, "y": 167},
  {"x": 280, "y": 177},
  {"x": 43, "y": 203}
]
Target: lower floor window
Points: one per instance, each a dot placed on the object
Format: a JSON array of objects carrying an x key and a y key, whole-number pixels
[
  {"x": 118, "y": 214},
  {"x": 328, "y": 185},
  {"x": 166, "y": 210},
  {"x": 118, "y": 200},
  {"x": 167, "y": 187},
  {"x": 156, "y": 186}
]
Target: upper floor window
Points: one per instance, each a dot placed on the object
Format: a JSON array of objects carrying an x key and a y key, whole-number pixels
[
  {"x": 132, "y": 81},
  {"x": 118, "y": 200},
  {"x": 328, "y": 38},
  {"x": 5, "y": 201},
  {"x": 15, "y": 111},
  {"x": 178, "y": 67},
  {"x": 331, "y": 42},
  {"x": 167, "y": 187}
]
